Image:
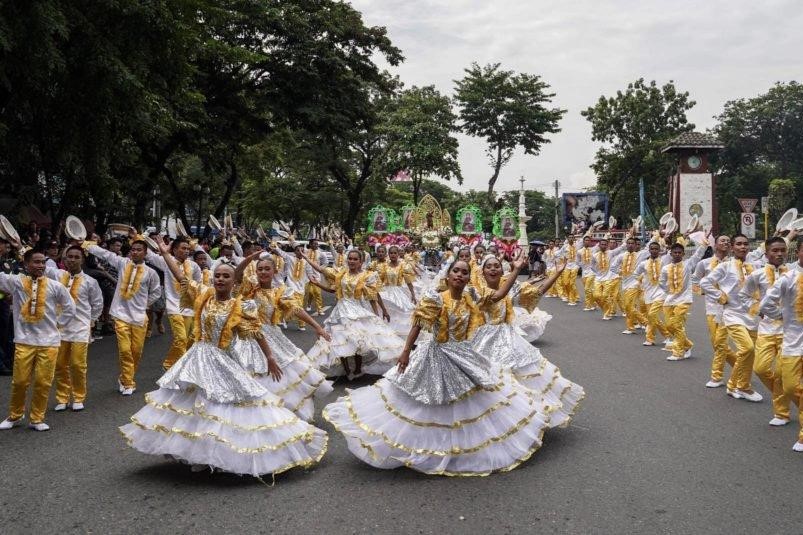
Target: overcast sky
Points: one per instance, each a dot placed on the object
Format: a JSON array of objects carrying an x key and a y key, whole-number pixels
[{"x": 715, "y": 50}]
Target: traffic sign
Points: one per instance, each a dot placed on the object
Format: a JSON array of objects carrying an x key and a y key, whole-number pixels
[
  {"x": 765, "y": 205},
  {"x": 749, "y": 225},
  {"x": 747, "y": 204}
]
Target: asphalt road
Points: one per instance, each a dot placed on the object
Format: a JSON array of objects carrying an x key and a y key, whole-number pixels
[{"x": 651, "y": 451}]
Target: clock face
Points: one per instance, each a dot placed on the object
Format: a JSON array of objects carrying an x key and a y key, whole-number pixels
[{"x": 694, "y": 162}]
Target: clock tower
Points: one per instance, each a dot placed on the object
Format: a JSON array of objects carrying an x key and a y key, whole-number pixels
[{"x": 692, "y": 185}]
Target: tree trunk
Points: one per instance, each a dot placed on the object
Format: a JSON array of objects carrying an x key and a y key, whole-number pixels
[
  {"x": 355, "y": 204},
  {"x": 495, "y": 176},
  {"x": 416, "y": 189},
  {"x": 232, "y": 182}
]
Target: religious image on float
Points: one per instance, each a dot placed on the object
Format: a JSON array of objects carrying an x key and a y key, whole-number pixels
[{"x": 584, "y": 209}]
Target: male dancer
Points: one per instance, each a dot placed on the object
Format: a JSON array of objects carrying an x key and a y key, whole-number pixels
[
  {"x": 179, "y": 315},
  {"x": 770, "y": 331},
  {"x": 676, "y": 283},
  {"x": 584, "y": 258},
  {"x": 299, "y": 274},
  {"x": 36, "y": 302},
  {"x": 137, "y": 288},
  {"x": 724, "y": 283},
  {"x": 784, "y": 301},
  {"x": 717, "y": 332},
  {"x": 312, "y": 294},
  {"x": 605, "y": 280},
  {"x": 649, "y": 271},
  {"x": 569, "y": 276},
  {"x": 625, "y": 266},
  {"x": 76, "y": 333}
]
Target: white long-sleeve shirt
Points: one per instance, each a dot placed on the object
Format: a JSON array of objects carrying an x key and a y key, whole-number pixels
[
  {"x": 569, "y": 252},
  {"x": 712, "y": 306},
  {"x": 650, "y": 272},
  {"x": 683, "y": 295},
  {"x": 43, "y": 331},
  {"x": 625, "y": 265},
  {"x": 757, "y": 284},
  {"x": 296, "y": 278},
  {"x": 88, "y": 304},
  {"x": 727, "y": 280},
  {"x": 130, "y": 310},
  {"x": 779, "y": 304},
  {"x": 585, "y": 257},
  {"x": 171, "y": 288},
  {"x": 601, "y": 263}
]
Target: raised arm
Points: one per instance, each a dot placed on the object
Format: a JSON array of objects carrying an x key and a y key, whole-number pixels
[
  {"x": 171, "y": 263},
  {"x": 239, "y": 271},
  {"x": 549, "y": 281},
  {"x": 508, "y": 283}
]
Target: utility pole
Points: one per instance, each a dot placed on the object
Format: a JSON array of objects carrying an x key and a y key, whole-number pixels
[{"x": 557, "y": 211}]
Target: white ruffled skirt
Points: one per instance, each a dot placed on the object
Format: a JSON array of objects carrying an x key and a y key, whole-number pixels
[
  {"x": 190, "y": 418},
  {"x": 531, "y": 324},
  {"x": 356, "y": 331},
  {"x": 301, "y": 381},
  {"x": 503, "y": 345},
  {"x": 400, "y": 306},
  {"x": 483, "y": 431}
]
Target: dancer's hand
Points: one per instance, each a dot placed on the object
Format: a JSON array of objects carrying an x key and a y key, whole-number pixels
[
  {"x": 562, "y": 264},
  {"x": 404, "y": 360},
  {"x": 519, "y": 260},
  {"x": 325, "y": 335},
  {"x": 274, "y": 369}
]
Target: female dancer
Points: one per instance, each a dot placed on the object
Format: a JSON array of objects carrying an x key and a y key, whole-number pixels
[
  {"x": 399, "y": 302},
  {"x": 501, "y": 342},
  {"x": 445, "y": 409},
  {"x": 355, "y": 330},
  {"x": 300, "y": 380},
  {"x": 208, "y": 410},
  {"x": 532, "y": 323}
]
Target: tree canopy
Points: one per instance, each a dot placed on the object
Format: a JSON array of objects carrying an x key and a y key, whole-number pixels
[
  {"x": 633, "y": 126},
  {"x": 508, "y": 110}
]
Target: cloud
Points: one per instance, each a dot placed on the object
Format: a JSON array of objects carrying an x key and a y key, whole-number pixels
[{"x": 716, "y": 50}]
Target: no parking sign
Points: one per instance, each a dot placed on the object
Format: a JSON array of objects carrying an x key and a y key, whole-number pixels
[{"x": 749, "y": 225}]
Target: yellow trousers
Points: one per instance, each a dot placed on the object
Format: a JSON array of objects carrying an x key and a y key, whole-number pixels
[
  {"x": 312, "y": 296},
  {"x": 71, "y": 372},
  {"x": 569, "y": 281},
  {"x": 745, "y": 354},
  {"x": 299, "y": 299},
  {"x": 588, "y": 289},
  {"x": 654, "y": 321},
  {"x": 722, "y": 351},
  {"x": 632, "y": 309},
  {"x": 554, "y": 290},
  {"x": 181, "y": 327},
  {"x": 676, "y": 317},
  {"x": 619, "y": 302},
  {"x": 767, "y": 368},
  {"x": 605, "y": 296},
  {"x": 39, "y": 363},
  {"x": 130, "y": 340},
  {"x": 791, "y": 369}
]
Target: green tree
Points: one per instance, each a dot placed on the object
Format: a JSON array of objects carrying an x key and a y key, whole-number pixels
[
  {"x": 508, "y": 110},
  {"x": 763, "y": 138},
  {"x": 419, "y": 126},
  {"x": 782, "y": 195},
  {"x": 633, "y": 126}
]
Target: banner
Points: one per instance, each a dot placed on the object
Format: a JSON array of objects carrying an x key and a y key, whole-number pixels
[{"x": 584, "y": 209}]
